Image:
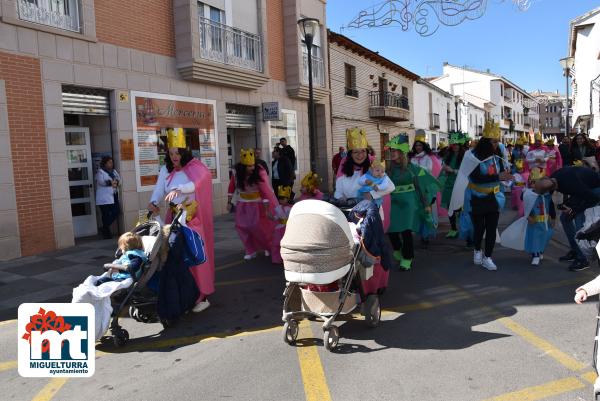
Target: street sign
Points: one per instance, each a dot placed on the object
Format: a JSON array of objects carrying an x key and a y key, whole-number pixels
[{"x": 271, "y": 111}]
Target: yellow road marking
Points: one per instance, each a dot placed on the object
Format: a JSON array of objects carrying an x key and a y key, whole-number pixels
[
  {"x": 50, "y": 389},
  {"x": 228, "y": 265},
  {"x": 542, "y": 391},
  {"x": 8, "y": 365},
  {"x": 538, "y": 342},
  {"x": 589, "y": 377},
  {"x": 313, "y": 376}
]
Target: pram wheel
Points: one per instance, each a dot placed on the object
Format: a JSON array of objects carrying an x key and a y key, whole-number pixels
[
  {"x": 331, "y": 338},
  {"x": 166, "y": 323},
  {"x": 133, "y": 313},
  {"x": 120, "y": 337},
  {"x": 290, "y": 331},
  {"x": 372, "y": 311}
]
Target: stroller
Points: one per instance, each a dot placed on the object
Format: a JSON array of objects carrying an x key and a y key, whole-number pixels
[{"x": 326, "y": 269}]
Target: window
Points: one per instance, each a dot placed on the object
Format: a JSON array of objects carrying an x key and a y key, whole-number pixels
[
  {"x": 213, "y": 31},
  {"x": 62, "y": 14},
  {"x": 404, "y": 91},
  {"x": 350, "y": 80}
]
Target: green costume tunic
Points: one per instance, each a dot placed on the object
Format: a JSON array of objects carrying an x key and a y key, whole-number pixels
[
  {"x": 447, "y": 180},
  {"x": 407, "y": 210}
]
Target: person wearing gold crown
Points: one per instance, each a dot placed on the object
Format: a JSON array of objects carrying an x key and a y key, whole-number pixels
[
  {"x": 519, "y": 183},
  {"x": 537, "y": 156},
  {"x": 477, "y": 188},
  {"x": 353, "y": 167},
  {"x": 256, "y": 203},
  {"x": 533, "y": 231},
  {"x": 554, "y": 157},
  {"x": 411, "y": 199},
  {"x": 187, "y": 181},
  {"x": 450, "y": 165},
  {"x": 309, "y": 187},
  {"x": 284, "y": 195},
  {"x": 519, "y": 153}
]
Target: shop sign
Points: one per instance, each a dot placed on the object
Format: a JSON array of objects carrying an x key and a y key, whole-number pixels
[{"x": 271, "y": 111}]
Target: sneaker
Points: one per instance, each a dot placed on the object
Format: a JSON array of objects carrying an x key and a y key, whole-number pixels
[
  {"x": 267, "y": 254},
  {"x": 535, "y": 261},
  {"x": 569, "y": 257},
  {"x": 200, "y": 306},
  {"x": 477, "y": 257},
  {"x": 452, "y": 234},
  {"x": 398, "y": 255},
  {"x": 488, "y": 263},
  {"x": 250, "y": 256},
  {"x": 579, "y": 265},
  {"x": 541, "y": 256},
  {"x": 405, "y": 264}
]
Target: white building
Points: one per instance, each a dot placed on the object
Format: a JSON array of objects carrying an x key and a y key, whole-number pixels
[
  {"x": 435, "y": 111},
  {"x": 503, "y": 101},
  {"x": 472, "y": 118},
  {"x": 584, "y": 46}
]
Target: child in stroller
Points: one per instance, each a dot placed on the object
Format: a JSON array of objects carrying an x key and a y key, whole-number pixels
[
  {"x": 329, "y": 268},
  {"x": 133, "y": 257}
]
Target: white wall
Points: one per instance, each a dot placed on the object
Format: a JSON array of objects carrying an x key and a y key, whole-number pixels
[{"x": 440, "y": 103}]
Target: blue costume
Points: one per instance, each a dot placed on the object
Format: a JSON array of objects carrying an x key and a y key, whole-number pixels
[
  {"x": 134, "y": 259},
  {"x": 368, "y": 188},
  {"x": 538, "y": 234}
]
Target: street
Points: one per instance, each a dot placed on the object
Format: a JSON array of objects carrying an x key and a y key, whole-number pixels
[{"x": 449, "y": 331}]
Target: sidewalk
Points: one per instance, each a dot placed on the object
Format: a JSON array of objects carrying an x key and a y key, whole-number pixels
[{"x": 51, "y": 277}]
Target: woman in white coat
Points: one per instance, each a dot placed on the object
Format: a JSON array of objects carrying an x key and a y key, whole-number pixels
[{"x": 107, "y": 194}]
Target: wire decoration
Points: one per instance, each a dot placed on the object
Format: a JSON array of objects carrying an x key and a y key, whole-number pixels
[{"x": 426, "y": 15}]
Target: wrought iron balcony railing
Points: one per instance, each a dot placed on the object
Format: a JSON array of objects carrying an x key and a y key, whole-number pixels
[
  {"x": 318, "y": 70},
  {"x": 57, "y": 14},
  {"x": 388, "y": 99},
  {"x": 231, "y": 46}
]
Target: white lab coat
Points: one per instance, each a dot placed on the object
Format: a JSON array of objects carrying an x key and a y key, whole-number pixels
[{"x": 104, "y": 191}]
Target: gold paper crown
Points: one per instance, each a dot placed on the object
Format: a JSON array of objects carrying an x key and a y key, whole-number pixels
[
  {"x": 550, "y": 142},
  {"x": 356, "y": 138},
  {"x": 247, "y": 157},
  {"x": 491, "y": 130},
  {"x": 442, "y": 145},
  {"x": 420, "y": 137},
  {"x": 311, "y": 181},
  {"x": 537, "y": 173},
  {"x": 284, "y": 192},
  {"x": 175, "y": 138},
  {"x": 538, "y": 136},
  {"x": 521, "y": 140},
  {"x": 519, "y": 164},
  {"x": 378, "y": 163}
]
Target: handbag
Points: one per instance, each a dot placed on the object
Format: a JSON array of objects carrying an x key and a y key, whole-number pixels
[{"x": 194, "y": 253}]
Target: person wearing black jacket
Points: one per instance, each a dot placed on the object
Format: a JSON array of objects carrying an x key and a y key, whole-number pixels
[
  {"x": 565, "y": 151},
  {"x": 581, "y": 148},
  {"x": 282, "y": 170},
  {"x": 581, "y": 187}
]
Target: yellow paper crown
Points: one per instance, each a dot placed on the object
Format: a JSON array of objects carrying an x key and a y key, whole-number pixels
[
  {"x": 311, "y": 181},
  {"x": 538, "y": 136},
  {"x": 420, "y": 137},
  {"x": 442, "y": 145},
  {"x": 378, "y": 163},
  {"x": 247, "y": 157},
  {"x": 491, "y": 130},
  {"x": 284, "y": 192},
  {"x": 550, "y": 142},
  {"x": 175, "y": 138},
  {"x": 356, "y": 138},
  {"x": 537, "y": 173},
  {"x": 521, "y": 140}
]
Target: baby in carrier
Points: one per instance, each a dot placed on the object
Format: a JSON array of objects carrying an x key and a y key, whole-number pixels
[{"x": 131, "y": 261}]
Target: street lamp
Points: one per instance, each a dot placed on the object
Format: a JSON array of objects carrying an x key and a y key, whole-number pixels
[
  {"x": 456, "y": 111},
  {"x": 567, "y": 63},
  {"x": 308, "y": 29}
]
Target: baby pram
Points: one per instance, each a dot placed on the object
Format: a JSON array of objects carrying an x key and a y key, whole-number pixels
[{"x": 326, "y": 268}]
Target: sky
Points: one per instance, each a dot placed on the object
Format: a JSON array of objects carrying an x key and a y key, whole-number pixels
[{"x": 523, "y": 46}]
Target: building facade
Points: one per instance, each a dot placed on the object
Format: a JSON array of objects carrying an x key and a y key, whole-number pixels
[
  {"x": 505, "y": 102},
  {"x": 368, "y": 91},
  {"x": 435, "y": 112},
  {"x": 584, "y": 47},
  {"x": 552, "y": 113},
  {"x": 81, "y": 79}
]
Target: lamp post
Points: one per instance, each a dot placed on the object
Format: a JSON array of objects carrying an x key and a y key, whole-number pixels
[
  {"x": 308, "y": 28},
  {"x": 456, "y": 112},
  {"x": 567, "y": 63}
]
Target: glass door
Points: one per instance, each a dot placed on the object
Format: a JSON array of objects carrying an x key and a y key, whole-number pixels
[{"x": 81, "y": 181}]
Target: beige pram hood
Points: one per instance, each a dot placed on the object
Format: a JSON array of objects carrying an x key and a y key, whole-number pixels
[{"x": 317, "y": 245}]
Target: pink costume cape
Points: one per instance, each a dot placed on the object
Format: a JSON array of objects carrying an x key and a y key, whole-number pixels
[
  {"x": 277, "y": 236},
  {"x": 202, "y": 223},
  {"x": 436, "y": 171},
  {"x": 251, "y": 222},
  {"x": 555, "y": 160}
]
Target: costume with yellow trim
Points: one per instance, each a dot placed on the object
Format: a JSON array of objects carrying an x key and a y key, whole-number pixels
[
  {"x": 251, "y": 221},
  {"x": 193, "y": 183},
  {"x": 555, "y": 160},
  {"x": 537, "y": 155},
  {"x": 310, "y": 187},
  {"x": 518, "y": 185}
]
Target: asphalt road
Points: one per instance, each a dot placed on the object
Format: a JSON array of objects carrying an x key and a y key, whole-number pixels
[{"x": 450, "y": 331}]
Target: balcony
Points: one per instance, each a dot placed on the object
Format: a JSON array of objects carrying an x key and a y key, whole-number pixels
[
  {"x": 318, "y": 70},
  {"x": 57, "y": 14},
  {"x": 434, "y": 121},
  {"x": 231, "y": 46},
  {"x": 388, "y": 106}
]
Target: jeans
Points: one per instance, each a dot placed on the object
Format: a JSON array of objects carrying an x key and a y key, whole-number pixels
[{"x": 571, "y": 226}]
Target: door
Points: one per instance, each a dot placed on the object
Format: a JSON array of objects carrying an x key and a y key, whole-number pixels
[
  {"x": 383, "y": 83},
  {"x": 81, "y": 181}
]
